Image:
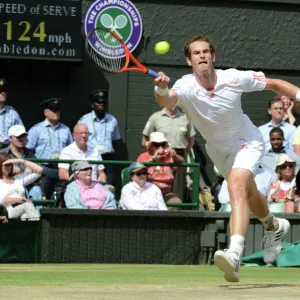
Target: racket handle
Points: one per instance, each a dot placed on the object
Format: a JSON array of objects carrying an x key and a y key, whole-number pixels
[{"x": 152, "y": 73}]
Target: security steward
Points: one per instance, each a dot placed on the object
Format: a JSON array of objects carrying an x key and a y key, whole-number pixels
[
  {"x": 47, "y": 139},
  {"x": 103, "y": 128}
]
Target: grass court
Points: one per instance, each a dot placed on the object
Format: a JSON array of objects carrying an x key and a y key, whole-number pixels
[{"x": 155, "y": 282}]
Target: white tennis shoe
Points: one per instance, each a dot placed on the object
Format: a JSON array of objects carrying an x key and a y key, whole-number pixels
[
  {"x": 271, "y": 242},
  {"x": 229, "y": 263}
]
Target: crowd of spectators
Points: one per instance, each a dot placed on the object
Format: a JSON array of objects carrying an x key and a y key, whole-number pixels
[{"x": 168, "y": 136}]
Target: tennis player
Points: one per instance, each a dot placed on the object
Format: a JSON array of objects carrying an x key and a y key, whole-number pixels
[{"x": 211, "y": 98}]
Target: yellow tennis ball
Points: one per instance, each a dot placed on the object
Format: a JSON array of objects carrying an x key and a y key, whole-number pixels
[{"x": 162, "y": 47}]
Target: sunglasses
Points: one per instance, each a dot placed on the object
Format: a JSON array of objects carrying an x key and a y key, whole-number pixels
[
  {"x": 157, "y": 145},
  {"x": 276, "y": 139},
  {"x": 140, "y": 173},
  {"x": 284, "y": 166}
]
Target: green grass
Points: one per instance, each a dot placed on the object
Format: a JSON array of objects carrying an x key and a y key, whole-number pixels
[
  {"x": 143, "y": 282},
  {"x": 135, "y": 274}
]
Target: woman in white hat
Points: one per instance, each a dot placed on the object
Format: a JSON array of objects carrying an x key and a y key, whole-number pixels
[
  {"x": 285, "y": 169},
  {"x": 158, "y": 150}
]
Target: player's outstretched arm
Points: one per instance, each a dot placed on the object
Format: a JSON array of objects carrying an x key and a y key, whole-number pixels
[
  {"x": 163, "y": 95},
  {"x": 283, "y": 87}
]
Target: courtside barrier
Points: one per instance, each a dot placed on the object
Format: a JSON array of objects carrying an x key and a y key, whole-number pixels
[{"x": 140, "y": 237}]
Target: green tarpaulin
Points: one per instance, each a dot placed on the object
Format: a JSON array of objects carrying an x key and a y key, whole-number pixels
[{"x": 289, "y": 257}]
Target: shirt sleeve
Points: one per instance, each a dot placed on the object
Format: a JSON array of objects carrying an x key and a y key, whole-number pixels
[
  {"x": 70, "y": 138},
  {"x": 116, "y": 133},
  {"x": 250, "y": 81},
  {"x": 64, "y": 155},
  {"x": 18, "y": 120},
  {"x": 149, "y": 127},
  {"x": 183, "y": 93},
  {"x": 191, "y": 129},
  {"x": 32, "y": 138},
  {"x": 28, "y": 178},
  {"x": 296, "y": 139}
]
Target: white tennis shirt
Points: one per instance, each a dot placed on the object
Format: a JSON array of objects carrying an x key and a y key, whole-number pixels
[{"x": 217, "y": 114}]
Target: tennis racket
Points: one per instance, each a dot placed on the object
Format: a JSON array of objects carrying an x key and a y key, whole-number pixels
[{"x": 109, "y": 52}]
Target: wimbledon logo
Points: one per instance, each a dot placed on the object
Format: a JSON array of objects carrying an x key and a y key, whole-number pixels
[{"x": 119, "y": 16}]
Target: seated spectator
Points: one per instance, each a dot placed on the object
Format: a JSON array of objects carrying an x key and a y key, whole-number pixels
[
  {"x": 79, "y": 150},
  {"x": 12, "y": 191},
  {"x": 263, "y": 179},
  {"x": 276, "y": 111},
  {"x": 139, "y": 194},
  {"x": 85, "y": 193},
  {"x": 286, "y": 172},
  {"x": 17, "y": 136},
  {"x": 294, "y": 193},
  {"x": 269, "y": 159},
  {"x": 158, "y": 150}
]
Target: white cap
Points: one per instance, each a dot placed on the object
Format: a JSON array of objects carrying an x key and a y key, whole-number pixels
[
  {"x": 282, "y": 158},
  {"x": 157, "y": 137},
  {"x": 17, "y": 130}
]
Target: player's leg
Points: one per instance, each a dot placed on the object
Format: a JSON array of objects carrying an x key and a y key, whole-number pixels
[
  {"x": 239, "y": 184},
  {"x": 275, "y": 228}
]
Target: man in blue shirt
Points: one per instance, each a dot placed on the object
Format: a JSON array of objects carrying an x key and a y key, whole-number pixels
[
  {"x": 275, "y": 109},
  {"x": 47, "y": 139},
  {"x": 8, "y": 116},
  {"x": 103, "y": 128}
]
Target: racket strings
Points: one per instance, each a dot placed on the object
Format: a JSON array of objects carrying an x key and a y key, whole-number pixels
[{"x": 109, "y": 47}]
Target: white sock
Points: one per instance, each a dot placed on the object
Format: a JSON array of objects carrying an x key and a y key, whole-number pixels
[
  {"x": 270, "y": 222},
  {"x": 237, "y": 244}
]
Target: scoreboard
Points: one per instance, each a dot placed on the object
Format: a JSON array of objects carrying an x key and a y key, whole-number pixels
[{"x": 41, "y": 29}]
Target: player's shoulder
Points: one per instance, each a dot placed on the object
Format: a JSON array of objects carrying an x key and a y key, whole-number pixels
[
  {"x": 232, "y": 73},
  {"x": 184, "y": 81},
  {"x": 187, "y": 78}
]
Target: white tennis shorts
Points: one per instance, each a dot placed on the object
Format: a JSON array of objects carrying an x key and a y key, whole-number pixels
[{"x": 246, "y": 154}]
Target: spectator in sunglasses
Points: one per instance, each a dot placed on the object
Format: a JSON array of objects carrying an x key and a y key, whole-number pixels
[
  {"x": 139, "y": 194},
  {"x": 85, "y": 193},
  {"x": 279, "y": 188},
  {"x": 159, "y": 150}
]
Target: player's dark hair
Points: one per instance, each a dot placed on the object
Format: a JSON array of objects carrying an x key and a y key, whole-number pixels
[
  {"x": 277, "y": 130},
  {"x": 202, "y": 38}
]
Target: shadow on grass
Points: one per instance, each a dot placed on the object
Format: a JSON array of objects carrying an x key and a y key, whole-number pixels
[{"x": 256, "y": 286}]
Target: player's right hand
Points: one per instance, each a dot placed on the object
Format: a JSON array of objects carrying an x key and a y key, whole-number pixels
[{"x": 162, "y": 81}]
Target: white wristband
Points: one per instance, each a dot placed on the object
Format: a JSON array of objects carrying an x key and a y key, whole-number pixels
[
  {"x": 298, "y": 96},
  {"x": 160, "y": 91}
]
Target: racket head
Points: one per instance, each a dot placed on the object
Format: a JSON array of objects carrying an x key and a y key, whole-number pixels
[
  {"x": 110, "y": 53},
  {"x": 107, "y": 50}
]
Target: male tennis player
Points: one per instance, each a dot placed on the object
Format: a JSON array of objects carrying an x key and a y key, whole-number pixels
[{"x": 211, "y": 98}]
